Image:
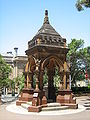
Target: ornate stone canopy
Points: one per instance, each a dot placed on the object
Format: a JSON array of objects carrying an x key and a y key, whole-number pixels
[{"x": 46, "y": 50}]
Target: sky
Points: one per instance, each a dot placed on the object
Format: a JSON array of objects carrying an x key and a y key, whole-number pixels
[{"x": 21, "y": 19}]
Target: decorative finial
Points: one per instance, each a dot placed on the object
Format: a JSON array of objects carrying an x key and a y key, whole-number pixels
[
  {"x": 46, "y": 21},
  {"x": 46, "y": 12}
]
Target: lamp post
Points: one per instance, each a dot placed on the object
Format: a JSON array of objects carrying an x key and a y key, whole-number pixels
[
  {"x": 14, "y": 71},
  {"x": 16, "y": 51},
  {"x": 13, "y": 64}
]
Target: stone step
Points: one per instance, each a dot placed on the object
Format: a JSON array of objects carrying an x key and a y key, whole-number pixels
[
  {"x": 50, "y": 101},
  {"x": 53, "y": 104},
  {"x": 55, "y": 108},
  {"x": 25, "y": 105},
  {"x": 50, "y": 106},
  {"x": 87, "y": 104},
  {"x": 87, "y": 108},
  {"x": 29, "y": 103}
]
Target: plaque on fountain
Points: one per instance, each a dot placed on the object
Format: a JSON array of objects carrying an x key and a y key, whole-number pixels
[{"x": 35, "y": 95}]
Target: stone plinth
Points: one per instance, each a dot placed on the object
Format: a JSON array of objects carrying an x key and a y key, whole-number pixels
[
  {"x": 66, "y": 97},
  {"x": 44, "y": 99},
  {"x": 34, "y": 109},
  {"x": 25, "y": 96}
]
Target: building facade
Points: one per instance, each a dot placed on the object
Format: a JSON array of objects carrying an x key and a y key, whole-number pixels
[{"x": 16, "y": 63}]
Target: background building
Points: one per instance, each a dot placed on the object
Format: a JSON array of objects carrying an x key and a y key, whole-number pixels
[{"x": 17, "y": 63}]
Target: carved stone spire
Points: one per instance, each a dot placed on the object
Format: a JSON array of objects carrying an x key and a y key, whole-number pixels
[{"x": 46, "y": 20}]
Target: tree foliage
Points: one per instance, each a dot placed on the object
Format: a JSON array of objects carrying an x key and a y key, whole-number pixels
[
  {"x": 79, "y": 58},
  {"x": 19, "y": 82},
  {"x": 80, "y": 4},
  {"x": 56, "y": 78},
  {"x": 4, "y": 73},
  {"x": 45, "y": 78}
]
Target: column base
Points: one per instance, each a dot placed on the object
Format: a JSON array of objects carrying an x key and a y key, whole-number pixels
[
  {"x": 70, "y": 105},
  {"x": 36, "y": 100},
  {"x": 34, "y": 109},
  {"x": 25, "y": 96},
  {"x": 44, "y": 99},
  {"x": 66, "y": 97},
  {"x": 41, "y": 98}
]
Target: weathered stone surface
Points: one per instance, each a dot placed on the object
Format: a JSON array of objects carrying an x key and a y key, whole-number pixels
[
  {"x": 45, "y": 51},
  {"x": 34, "y": 109}
]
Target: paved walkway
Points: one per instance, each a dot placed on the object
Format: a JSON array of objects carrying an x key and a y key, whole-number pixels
[
  {"x": 20, "y": 110},
  {"x": 84, "y": 115},
  {"x": 8, "y": 98}
]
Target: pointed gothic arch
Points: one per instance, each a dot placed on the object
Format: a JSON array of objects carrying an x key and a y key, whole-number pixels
[
  {"x": 32, "y": 61},
  {"x": 56, "y": 60}
]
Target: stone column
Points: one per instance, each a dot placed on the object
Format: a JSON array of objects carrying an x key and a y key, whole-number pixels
[
  {"x": 64, "y": 81},
  {"x": 51, "y": 89},
  {"x": 37, "y": 76},
  {"x": 37, "y": 81},
  {"x": 43, "y": 97},
  {"x": 64, "y": 77},
  {"x": 41, "y": 79},
  {"x": 27, "y": 79},
  {"x": 68, "y": 82},
  {"x": 61, "y": 81},
  {"x": 30, "y": 80},
  {"x": 37, "y": 99}
]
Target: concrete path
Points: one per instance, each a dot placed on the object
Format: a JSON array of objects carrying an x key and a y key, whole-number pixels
[
  {"x": 84, "y": 115},
  {"x": 8, "y": 98},
  {"x": 20, "y": 110}
]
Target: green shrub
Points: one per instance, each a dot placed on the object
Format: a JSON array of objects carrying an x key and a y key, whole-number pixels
[
  {"x": 88, "y": 86},
  {"x": 78, "y": 90}
]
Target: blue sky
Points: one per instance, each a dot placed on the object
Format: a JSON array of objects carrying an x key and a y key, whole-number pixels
[{"x": 21, "y": 19}]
